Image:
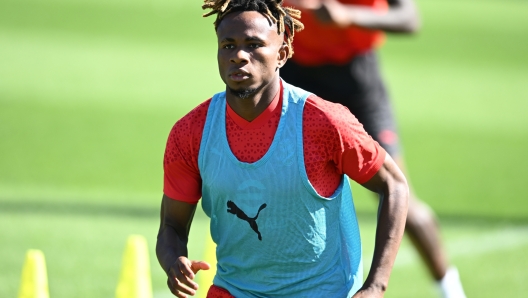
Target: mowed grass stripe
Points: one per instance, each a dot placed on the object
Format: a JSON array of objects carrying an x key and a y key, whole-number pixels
[
  {"x": 466, "y": 97},
  {"x": 473, "y": 244},
  {"x": 102, "y": 139},
  {"x": 163, "y": 20},
  {"x": 61, "y": 122},
  {"x": 74, "y": 70},
  {"x": 106, "y": 249}
]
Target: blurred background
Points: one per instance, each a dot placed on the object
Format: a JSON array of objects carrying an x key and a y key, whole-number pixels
[{"x": 89, "y": 90}]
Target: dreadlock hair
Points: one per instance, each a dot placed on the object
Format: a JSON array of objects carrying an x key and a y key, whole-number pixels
[{"x": 286, "y": 18}]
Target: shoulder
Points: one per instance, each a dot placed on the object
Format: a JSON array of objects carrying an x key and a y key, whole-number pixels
[
  {"x": 194, "y": 117},
  {"x": 318, "y": 109},
  {"x": 192, "y": 122},
  {"x": 186, "y": 134},
  {"x": 332, "y": 122}
]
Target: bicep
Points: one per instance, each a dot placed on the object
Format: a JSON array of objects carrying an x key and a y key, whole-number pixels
[{"x": 386, "y": 178}]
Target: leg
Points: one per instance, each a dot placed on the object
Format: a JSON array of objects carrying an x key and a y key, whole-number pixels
[
  {"x": 375, "y": 112},
  {"x": 422, "y": 228},
  {"x": 359, "y": 87},
  {"x": 373, "y": 108}
]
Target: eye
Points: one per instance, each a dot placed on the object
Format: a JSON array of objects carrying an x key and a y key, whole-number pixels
[
  {"x": 228, "y": 46},
  {"x": 255, "y": 45}
]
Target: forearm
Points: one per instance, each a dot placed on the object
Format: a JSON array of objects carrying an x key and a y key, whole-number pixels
[
  {"x": 389, "y": 232},
  {"x": 396, "y": 20},
  {"x": 173, "y": 234},
  {"x": 401, "y": 17},
  {"x": 169, "y": 247}
]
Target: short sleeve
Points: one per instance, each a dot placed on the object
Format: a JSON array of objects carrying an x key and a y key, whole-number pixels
[
  {"x": 348, "y": 145},
  {"x": 360, "y": 157},
  {"x": 181, "y": 179}
]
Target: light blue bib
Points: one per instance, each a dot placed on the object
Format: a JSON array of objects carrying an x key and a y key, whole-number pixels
[{"x": 275, "y": 236}]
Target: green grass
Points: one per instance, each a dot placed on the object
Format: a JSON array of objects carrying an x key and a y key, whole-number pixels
[{"x": 90, "y": 89}]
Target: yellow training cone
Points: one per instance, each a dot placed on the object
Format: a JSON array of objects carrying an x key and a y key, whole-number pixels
[
  {"x": 135, "y": 281},
  {"x": 34, "y": 282},
  {"x": 205, "y": 277}
]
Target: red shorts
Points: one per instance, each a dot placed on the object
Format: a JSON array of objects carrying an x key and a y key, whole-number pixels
[{"x": 218, "y": 292}]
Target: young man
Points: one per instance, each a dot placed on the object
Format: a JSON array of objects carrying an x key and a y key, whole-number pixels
[
  {"x": 271, "y": 163},
  {"x": 335, "y": 58}
]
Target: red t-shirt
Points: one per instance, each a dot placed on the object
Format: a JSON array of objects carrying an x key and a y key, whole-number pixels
[
  {"x": 322, "y": 43},
  {"x": 335, "y": 143}
]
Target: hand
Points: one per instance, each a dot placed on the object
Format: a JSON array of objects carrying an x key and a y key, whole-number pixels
[
  {"x": 368, "y": 293},
  {"x": 334, "y": 12},
  {"x": 181, "y": 275}
]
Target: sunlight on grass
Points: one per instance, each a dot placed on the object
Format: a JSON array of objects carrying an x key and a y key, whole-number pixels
[{"x": 90, "y": 89}]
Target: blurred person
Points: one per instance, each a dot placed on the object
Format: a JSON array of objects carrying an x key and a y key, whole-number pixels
[
  {"x": 271, "y": 163},
  {"x": 335, "y": 57}
]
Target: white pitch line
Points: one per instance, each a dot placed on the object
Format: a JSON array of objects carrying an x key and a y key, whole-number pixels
[{"x": 470, "y": 246}]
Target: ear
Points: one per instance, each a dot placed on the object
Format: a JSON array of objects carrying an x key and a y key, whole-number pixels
[{"x": 282, "y": 55}]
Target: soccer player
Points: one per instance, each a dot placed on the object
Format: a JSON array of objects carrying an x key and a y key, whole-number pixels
[
  {"x": 335, "y": 57},
  {"x": 271, "y": 163}
]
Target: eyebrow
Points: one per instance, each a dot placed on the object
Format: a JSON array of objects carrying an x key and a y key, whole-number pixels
[{"x": 250, "y": 38}]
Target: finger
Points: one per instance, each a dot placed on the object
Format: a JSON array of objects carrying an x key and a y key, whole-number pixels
[
  {"x": 200, "y": 265},
  {"x": 174, "y": 291},
  {"x": 180, "y": 281},
  {"x": 180, "y": 288},
  {"x": 187, "y": 270}
]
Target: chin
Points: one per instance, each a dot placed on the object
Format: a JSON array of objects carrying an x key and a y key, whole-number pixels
[{"x": 242, "y": 92}]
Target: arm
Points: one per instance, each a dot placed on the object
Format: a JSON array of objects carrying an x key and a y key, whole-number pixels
[
  {"x": 390, "y": 184},
  {"x": 402, "y": 16},
  {"x": 171, "y": 247}
]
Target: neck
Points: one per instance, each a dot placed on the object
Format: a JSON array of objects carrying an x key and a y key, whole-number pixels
[{"x": 252, "y": 106}]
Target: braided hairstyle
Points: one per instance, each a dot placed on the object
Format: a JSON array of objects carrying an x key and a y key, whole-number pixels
[{"x": 286, "y": 18}]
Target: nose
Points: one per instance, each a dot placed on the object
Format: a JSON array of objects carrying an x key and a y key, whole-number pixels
[{"x": 240, "y": 57}]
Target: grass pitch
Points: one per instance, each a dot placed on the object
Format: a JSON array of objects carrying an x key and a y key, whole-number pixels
[{"x": 90, "y": 89}]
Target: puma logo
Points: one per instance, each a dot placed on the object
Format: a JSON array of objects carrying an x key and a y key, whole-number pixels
[{"x": 233, "y": 208}]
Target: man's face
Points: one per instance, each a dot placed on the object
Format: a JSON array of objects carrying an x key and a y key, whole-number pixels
[{"x": 249, "y": 52}]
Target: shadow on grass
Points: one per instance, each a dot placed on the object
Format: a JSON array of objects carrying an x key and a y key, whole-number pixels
[
  {"x": 465, "y": 219},
  {"x": 78, "y": 209},
  {"x": 136, "y": 211}
]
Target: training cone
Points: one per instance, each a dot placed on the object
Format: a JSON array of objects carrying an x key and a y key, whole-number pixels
[
  {"x": 205, "y": 277},
  {"x": 135, "y": 281},
  {"x": 34, "y": 282}
]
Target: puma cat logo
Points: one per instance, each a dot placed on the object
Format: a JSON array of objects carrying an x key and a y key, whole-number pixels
[{"x": 233, "y": 208}]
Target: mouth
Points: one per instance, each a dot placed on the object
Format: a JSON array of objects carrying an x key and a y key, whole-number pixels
[{"x": 239, "y": 75}]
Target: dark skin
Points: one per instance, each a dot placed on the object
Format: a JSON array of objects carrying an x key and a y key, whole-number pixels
[
  {"x": 401, "y": 17},
  {"x": 171, "y": 247},
  {"x": 250, "y": 54},
  {"x": 249, "y": 59}
]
